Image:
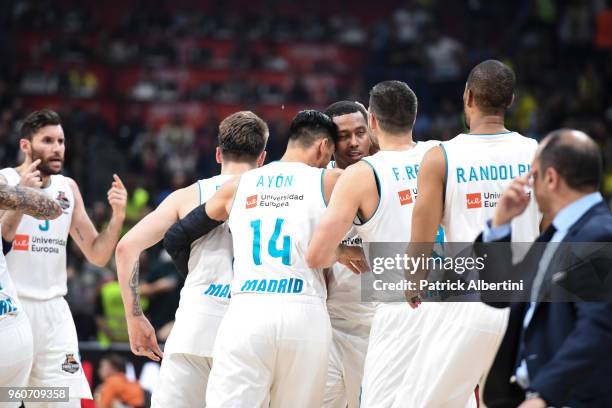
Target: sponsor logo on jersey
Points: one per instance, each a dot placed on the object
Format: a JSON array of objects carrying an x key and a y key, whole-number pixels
[
  {"x": 405, "y": 197},
  {"x": 474, "y": 200},
  {"x": 486, "y": 200},
  {"x": 21, "y": 242},
  {"x": 279, "y": 201},
  {"x": 273, "y": 285},
  {"x": 62, "y": 200},
  {"x": 70, "y": 365},
  {"x": 251, "y": 201},
  {"x": 39, "y": 244}
]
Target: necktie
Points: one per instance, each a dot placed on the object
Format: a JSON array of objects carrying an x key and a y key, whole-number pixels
[{"x": 544, "y": 263}]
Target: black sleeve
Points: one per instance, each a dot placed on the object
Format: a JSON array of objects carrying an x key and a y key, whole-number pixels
[
  {"x": 180, "y": 236},
  {"x": 6, "y": 246}
]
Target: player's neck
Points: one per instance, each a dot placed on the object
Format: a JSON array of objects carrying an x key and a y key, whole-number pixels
[
  {"x": 487, "y": 124},
  {"x": 296, "y": 155},
  {"x": 234, "y": 168},
  {"x": 395, "y": 142}
]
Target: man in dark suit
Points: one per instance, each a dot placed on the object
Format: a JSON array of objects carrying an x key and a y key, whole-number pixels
[{"x": 557, "y": 352}]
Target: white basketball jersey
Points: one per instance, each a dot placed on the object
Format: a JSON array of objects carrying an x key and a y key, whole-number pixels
[
  {"x": 207, "y": 286},
  {"x": 344, "y": 287},
  {"x": 276, "y": 208},
  {"x": 37, "y": 261},
  {"x": 396, "y": 174},
  {"x": 480, "y": 167},
  {"x": 10, "y": 308},
  {"x": 344, "y": 290}
]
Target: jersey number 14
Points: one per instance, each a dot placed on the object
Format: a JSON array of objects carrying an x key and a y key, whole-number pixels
[{"x": 284, "y": 253}]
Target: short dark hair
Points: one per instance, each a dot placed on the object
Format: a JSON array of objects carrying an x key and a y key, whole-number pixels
[
  {"x": 38, "y": 120},
  {"x": 116, "y": 361},
  {"x": 579, "y": 164},
  {"x": 492, "y": 84},
  {"x": 242, "y": 136},
  {"x": 309, "y": 125},
  {"x": 395, "y": 106},
  {"x": 344, "y": 108}
]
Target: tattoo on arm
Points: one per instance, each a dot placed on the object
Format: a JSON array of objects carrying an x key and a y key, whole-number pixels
[
  {"x": 136, "y": 309},
  {"x": 78, "y": 231},
  {"x": 29, "y": 201}
]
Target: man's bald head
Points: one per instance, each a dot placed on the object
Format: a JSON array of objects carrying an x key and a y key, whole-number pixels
[
  {"x": 575, "y": 156},
  {"x": 492, "y": 84}
]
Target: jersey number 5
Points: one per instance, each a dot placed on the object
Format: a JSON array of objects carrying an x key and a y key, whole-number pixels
[{"x": 284, "y": 253}]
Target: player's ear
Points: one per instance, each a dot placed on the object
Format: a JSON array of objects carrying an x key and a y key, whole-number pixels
[
  {"x": 261, "y": 159},
  {"x": 467, "y": 96},
  {"x": 512, "y": 100},
  {"x": 372, "y": 122},
  {"x": 218, "y": 155},
  {"x": 323, "y": 147},
  {"x": 26, "y": 147}
]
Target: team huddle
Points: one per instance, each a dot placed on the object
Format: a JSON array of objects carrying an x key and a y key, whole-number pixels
[{"x": 271, "y": 313}]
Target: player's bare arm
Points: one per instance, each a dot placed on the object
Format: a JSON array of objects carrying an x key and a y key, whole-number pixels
[
  {"x": 428, "y": 210},
  {"x": 30, "y": 177},
  {"x": 29, "y": 201},
  {"x": 220, "y": 205},
  {"x": 146, "y": 233},
  {"x": 98, "y": 247},
  {"x": 354, "y": 193},
  {"x": 429, "y": 205},
  {"x": 149, "y": 231}
]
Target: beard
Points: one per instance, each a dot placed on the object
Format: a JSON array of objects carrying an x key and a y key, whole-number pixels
[{"x": 45, "y": 165}]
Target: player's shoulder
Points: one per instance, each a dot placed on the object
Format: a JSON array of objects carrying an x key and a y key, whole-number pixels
[
  {"x": 331, "y": 175},
  {"x": 6, "y": 172},
  {"x": 362, "y": 167},
  {"x": 68, "y": 180},
  {"x": 529, "y": 141},
  {"x": 185, "y": 192},
  {"x": 428, "y": 144},
  {"x": 359, "y": 174},
  {"x": 434, "y": 160}
]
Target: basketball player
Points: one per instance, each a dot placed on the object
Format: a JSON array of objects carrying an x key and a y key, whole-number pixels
[
  {"x": 37, "y": 261},
  {"x": 205, "y": 295},
  {"x": 379, "y": 191},
  {"x": 16, "y": 353},
  {"x": 272, "y": 346},
  {"x": 350, "y": 318},
  {"x": 456, "y": 186}
]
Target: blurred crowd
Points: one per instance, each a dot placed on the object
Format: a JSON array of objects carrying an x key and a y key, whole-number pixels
[{"x": 561, "y": 51}]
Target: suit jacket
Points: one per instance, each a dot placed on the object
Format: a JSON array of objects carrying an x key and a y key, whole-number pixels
[{"x": 567, "y": 345}]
